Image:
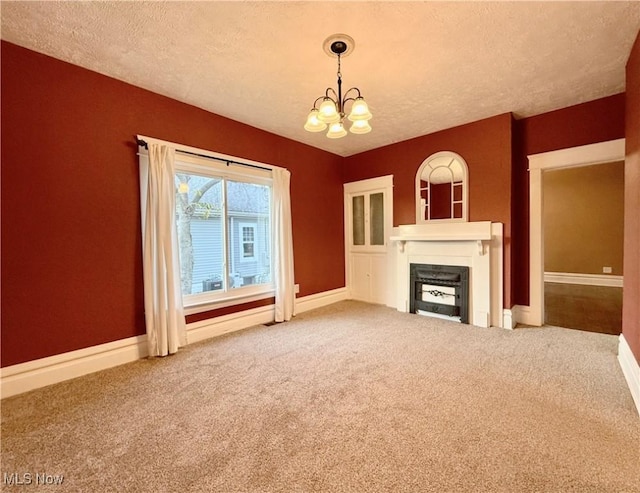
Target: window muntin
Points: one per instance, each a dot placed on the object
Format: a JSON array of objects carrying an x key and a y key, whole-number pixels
[{"x": 224, "y": 231}]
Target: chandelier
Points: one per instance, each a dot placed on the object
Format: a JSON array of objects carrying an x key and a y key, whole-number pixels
[{"x": 331, "y": 108}]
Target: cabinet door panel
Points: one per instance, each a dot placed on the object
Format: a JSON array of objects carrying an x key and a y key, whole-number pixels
[
  {"x": 360, "y": 277},
  {"x": 378, "y": 278}
]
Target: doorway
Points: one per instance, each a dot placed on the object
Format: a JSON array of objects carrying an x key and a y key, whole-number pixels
[
  {"x": 603, "y": 152},
  {"x": 583, "y": 224}
]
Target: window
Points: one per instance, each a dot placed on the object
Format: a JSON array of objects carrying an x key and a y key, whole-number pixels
[
  {"x": 223, "y": 218},
  {"x": 248, "y": 235}
]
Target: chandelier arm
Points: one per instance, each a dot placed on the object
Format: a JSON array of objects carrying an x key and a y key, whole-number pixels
[
  {"x": 327, "y": 95},
  {"x": 315, "y": 103},
  {"x": 347, "y": 93}
]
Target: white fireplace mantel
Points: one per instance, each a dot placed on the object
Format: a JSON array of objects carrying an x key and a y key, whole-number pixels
[
  {"x": 459, "y": 231},
  {"x": 478, "y": 245}
]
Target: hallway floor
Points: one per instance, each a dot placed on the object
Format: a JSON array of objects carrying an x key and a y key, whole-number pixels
[{"x": 590, "y": 308}]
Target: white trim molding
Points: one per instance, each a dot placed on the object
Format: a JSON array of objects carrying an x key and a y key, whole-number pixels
[
  {"x": 605, "y": 280},
  {"x": 319, "y": 300},
  {"x": 477, "y": 245},
  {"x": 31, "y": 375},
  {"x": 23, "y": 377},
  {"x": 509, "y": 318},
  {"x": 587, "y": 155},
  {"x": 600, "y": 153},
  {"x": 522, "y": 314},
  {"x": 214, "y": 327},
  {"x": 354, "y": 280},
  {"x": 630, "y": 369}
]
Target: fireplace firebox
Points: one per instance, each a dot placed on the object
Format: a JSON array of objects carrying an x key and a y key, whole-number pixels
[{"x": 441, "y": 290}]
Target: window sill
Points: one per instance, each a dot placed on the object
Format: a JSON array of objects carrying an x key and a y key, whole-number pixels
[{"x": 199, "y": 306}]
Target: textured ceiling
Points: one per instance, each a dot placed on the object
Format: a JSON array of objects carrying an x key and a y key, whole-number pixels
[{"x": 422, "y": 66}]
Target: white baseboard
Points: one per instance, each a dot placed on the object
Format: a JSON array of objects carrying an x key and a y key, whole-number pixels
[
  {"x": 508, "y": 319},
  {"x": 23, "y": 377},
  {"x": 522, "y": 315},
  {"x": 630, "y": 369},
  {"x": 319, "y": 300},
  {"x": 206, "y": 329},
  {"x": 606, "y": 280},
  {"x": 20, "y": 378},
  {"x": 213, "y": 327}
]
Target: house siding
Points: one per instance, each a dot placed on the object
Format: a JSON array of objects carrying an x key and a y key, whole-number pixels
[{"x": 208, "y": 257}]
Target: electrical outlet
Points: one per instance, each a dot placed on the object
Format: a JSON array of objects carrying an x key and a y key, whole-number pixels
[
  {"x": 296, "y": 288},
  {"x": 607, "y": 270}
]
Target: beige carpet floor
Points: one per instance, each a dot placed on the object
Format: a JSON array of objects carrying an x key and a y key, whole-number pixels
[{"x": 347, "y": 398}]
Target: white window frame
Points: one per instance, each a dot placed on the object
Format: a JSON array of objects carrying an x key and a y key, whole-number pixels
[
  {"x": 218, "y": 167},
  {"x": 427, "y": 164},
  {"x": 241, "y": 227}
]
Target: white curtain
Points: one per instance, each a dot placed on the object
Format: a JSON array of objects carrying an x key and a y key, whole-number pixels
[
  {"x": 283, "y": 246},
  {"x": 162, "y": 295}
]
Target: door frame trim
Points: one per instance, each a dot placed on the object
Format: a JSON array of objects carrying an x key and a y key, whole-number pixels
[
  {"x": 587, "y": 155},
  {"x": 384, "y": 183}
]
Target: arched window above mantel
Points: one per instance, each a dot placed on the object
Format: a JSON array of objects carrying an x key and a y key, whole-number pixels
[{"x": 442, "y": 189}]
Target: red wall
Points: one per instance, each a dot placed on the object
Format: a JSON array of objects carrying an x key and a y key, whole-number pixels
[
  {"x": 71, "y": 241},
  {"x": 71, "y": 261},
  {"x": 485, "y": 146},
  {"x": 596, "y": 121},
  {"x": 631, "y": 292}
]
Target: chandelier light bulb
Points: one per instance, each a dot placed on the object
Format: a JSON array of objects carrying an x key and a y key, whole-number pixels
[
  {"x": 328, "y": 113},
  {"x": 313, "y": 122},
  {"x": 360, "y": 127},
  {"x": 360, "y": 110},
  {"x": 336, "y": 131}
]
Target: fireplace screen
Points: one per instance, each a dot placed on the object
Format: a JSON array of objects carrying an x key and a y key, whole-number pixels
[{"x": 441, "y": 290}]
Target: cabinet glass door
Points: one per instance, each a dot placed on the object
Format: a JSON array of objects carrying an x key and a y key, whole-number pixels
[
  {"x": 376, "y": 212},
  {"x": 367, "y": 219},
  {"x": 358, "y": 219}
]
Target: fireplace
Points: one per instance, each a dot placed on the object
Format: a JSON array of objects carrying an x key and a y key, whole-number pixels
[
  {"x": 439, "y": 290},
  {"x": 476, "y": 247}
]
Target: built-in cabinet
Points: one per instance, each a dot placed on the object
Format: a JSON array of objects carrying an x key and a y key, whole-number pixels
[
  {"x": 368, "y": 206},
  {"x": 369, "y": 277}
]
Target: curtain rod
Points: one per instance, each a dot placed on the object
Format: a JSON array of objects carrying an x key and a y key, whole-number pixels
[{"x": 144, "y": 144}]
